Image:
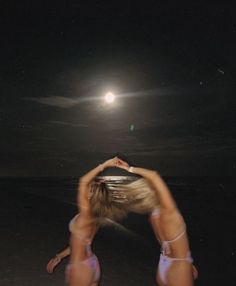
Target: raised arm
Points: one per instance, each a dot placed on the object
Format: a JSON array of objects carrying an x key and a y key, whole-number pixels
[
  {"x": 86, "y": 181},
  {"x": 166, "y": 200},
  {"x": 171, "y": 219}
]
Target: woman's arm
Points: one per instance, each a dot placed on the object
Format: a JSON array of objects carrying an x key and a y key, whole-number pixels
[
  {"x": 171, "y": 219},
  {"x": 85, "y": 184},
  {"x": 64, "y": 253},
  {"x": 166, "y": 200},
  {"x": 57, "y": 259}
]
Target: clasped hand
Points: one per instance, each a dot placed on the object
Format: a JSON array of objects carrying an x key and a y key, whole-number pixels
[{"x": 116, "y": 162}]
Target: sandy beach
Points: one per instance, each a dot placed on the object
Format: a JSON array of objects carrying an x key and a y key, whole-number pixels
[{"x": 34, "y": 228}]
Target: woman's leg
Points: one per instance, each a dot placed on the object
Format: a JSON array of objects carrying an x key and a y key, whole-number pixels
[
  {"x": 79, "y": 275},
  {"x": 161, "y": 273},
  {"x": 174, "y": 272},
  {"x": 84, "y": 273},
  {"x": 180, "y": 274},
  {"x": 158, "y": 280}
]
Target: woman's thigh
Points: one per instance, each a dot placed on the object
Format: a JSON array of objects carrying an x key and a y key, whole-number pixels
[
  {"x": 79, "y": 275},
  {"x": 158, "y": 280},
  {"x": 180, "y": 274}
]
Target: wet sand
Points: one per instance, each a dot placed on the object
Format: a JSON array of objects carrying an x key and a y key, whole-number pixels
[{"x": 34, "y": 228}]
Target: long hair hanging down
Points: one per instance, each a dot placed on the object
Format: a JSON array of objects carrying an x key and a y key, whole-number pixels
[
  {"x": 105, "y": 204},
  {"x": 139, "y": 196},
  {"x": 114, "y": 201}
]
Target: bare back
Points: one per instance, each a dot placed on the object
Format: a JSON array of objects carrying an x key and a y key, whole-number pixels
[{"x": 169, "y": 226}]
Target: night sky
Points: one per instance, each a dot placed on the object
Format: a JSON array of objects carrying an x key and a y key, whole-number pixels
[{"x": 172, "y": 66}]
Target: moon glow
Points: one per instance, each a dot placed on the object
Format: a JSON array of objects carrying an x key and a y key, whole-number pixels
[{"x": 109, "y": 97}]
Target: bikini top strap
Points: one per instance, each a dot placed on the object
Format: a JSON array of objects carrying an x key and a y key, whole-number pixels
[
  {"x": 166, "y": 243},
  {"x": 178, "y": 236}
]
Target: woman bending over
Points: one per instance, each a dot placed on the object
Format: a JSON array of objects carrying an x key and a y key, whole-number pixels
[
  {"x": 96, "y": 204},
  {"x": 175, "y": 266},
  {"x": 99, "y": 201}
]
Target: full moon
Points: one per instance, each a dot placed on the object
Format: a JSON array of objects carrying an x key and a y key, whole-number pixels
[{"x": 109, "y": 97}]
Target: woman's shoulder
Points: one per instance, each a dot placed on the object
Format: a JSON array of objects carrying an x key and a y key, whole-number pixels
[
  {"x": 74, "y": 222},
  {"x": 81, "y": 221}
]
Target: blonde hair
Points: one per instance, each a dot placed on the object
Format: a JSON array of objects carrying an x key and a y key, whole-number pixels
[
  {"x": 139, "y": 195},
  {"x": 113, "y": 201},
  {"x": 104, "y": 204}
]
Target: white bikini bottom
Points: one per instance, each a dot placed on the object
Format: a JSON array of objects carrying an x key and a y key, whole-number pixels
[{"x": 166, "y": 262}]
